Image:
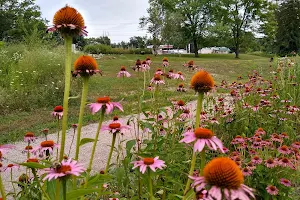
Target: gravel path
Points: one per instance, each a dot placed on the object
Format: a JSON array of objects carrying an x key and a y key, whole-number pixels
[{"x": 101, "y": 154}]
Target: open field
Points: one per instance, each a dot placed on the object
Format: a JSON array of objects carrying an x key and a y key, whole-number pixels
[{"x": 33, "y": 85}]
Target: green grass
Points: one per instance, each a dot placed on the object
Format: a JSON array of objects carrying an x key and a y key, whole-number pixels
[{"x": 27, "y": 107}]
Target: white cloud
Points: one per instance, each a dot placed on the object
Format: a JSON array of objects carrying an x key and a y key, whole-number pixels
[{"x": 118, "y": 19}]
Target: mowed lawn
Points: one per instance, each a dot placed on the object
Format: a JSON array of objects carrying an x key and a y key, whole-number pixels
[{"x": 128, "y": 90}]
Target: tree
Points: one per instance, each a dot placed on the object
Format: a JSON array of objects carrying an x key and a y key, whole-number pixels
[
  {"x": 195, "y": 16},
  {"x": 137, "y": 42},
  {"x": 239, "y": 15},
  {"x": 19, "y": 18},
  {"x": 268, "y": 27},
  {"x": 154, "y": 22},
  {"x": 288, "y": 35},
  {"x": 99, "y": 40}
]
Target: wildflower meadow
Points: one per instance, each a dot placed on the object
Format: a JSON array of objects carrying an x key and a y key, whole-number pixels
[{"x": 194, "y": 137}]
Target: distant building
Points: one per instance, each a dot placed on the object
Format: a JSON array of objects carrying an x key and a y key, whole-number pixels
[
  {"x": 167, "y": 49},
  {"x": 214, "y": 50}
]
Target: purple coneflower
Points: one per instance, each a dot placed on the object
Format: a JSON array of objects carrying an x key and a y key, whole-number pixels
[
  {"x": 246, "y": 171},
  {"x": 152, "y": 163},
  {"x": 256, "y": 160},
  {"x": 104, "y": 102},
  {"x": 65, "y": 168},
  {"x": 123, "y": 73},
  {"x": 11, "y": 167},
  {"x": 222, "y": 174},
  {"x": 178, "y": 76},
  {"x": 29, "y": 137},
  {"x": 284, "y": 149},
  {"x": 159, "y": 72},
  {"x": 270, "y": 163},
  {"x": 272, "y": 190},
  {"x": 202, "y": 137},
  {"x": 157, "y": 80},
  {"x": 45, "y": 147},
  {"x": 114, "y": 127},
  {"x": 285, "y": 182},
  {"x": 57, "y": 112}
]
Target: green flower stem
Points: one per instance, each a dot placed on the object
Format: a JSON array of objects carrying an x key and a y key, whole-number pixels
[
  {"x": 57, "y": 190},
  {"x": 199, "y": 109},
  {"x": 11, "y": 179},
  {"x": 68, "y": 62},
  {"x": 111, "y": 151},
  {"x": 144, "y": 83},
  {"x": 188, "y": 183},
  {"x": 58, "y": 128},
  {"x": 96, "y": 140},
  {"x": 203, "y": 158},
  {"x": 193, "y": 162},
  {"x": 81, "y": 112},
  {"x": 150, "y": 185},
  {"x": 2, "y": 190},
  {"x": 64, "y": 187},
  {"x": 39, "y": 184}
]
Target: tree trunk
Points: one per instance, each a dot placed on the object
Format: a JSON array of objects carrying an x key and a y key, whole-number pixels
[
  {"x": 196, "y": 48},
  {"x": 237, "y": 51}
]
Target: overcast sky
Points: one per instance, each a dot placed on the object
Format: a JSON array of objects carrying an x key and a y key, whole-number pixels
[{"x": 117, "y": 19}]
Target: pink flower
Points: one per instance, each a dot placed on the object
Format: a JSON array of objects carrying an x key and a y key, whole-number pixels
[
  {"x": 145, "y": 65},
  {"x": 114, "y": 127},
  {"x": 285, "y": 162},
  {"x": 149, "y": 88},
  {"x": 246, "y": 171},
  {"x": 202, "y": 136},
  {"x": 159, "y": 72},
  {"x": 296, "y": 145},
  {"x": 11, "y": 167},
  {"x": 65, "y": 168},
  {"x": 152, "y": 163},
  {"x": 29, "y": 137},
  {"x": 270, "y": 163},
  {"x": 256, "y": 160},
  {"x": 105, "y": 103},
  {"x": 28, "y": 149},
  {"x": 284, "y": 149},
  {"x": 255, "y": 108},
  {"x": 178, "y": 76},
  {"x": 186, "y": 114},
  {"x": 113, "y": 199},
  {"x": 219, "y": 176},
  {"x": 285, "y": 182},
  {"x": 45, "y": 147},
  {"x": 272, "y": 190},
  {"x": 123, "y": 73},
  {"x": 157, "y": 80},
  {"x": 57, "y": 112}
]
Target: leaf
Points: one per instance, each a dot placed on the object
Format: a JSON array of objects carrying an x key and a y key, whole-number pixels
[
  {"x": 33, "y": 165},
  {"x": 81, "y": 192},
  {"x": 129, "y": 145},
  {"x": 84, "y": 141},
  {"x": 51, "y": 188}
]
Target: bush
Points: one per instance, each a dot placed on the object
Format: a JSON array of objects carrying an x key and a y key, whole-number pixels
[{"x": 106, "y": 49}]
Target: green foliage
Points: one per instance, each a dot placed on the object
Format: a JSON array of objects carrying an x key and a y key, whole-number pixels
[
  {"x": 19, "y": 18},
  {"x": 105, "y": 49},
  {"x": 288, "y": 35}
]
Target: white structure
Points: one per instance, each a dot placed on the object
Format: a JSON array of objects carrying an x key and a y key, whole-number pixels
[{"x": 214, "y": 50}]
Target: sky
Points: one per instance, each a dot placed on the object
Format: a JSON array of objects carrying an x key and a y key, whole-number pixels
[{"x": 117, "y": 19}]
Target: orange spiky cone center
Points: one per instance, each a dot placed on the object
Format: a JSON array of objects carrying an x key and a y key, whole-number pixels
[
  {"x": 180, "y": 103},
  {"x": 10, "y": 165},
  {"x": 165, "y": 59},
  {"x": 85, "y": 63},
  {"x": 114, "y": 125},
  {"x": 202, "y": 81},
  {"x": 58, "y": 109},
  {"x": 203, "y": 133},
  {"x": 116, "y": 118},
  {"x": 29, "y": 134},
  {"x": 64, "y": 169},
  {"x": 224, "y": 173},
  {"x": 103, "y": 100},
  {"x": 28, "y": 148},
  {"x": 68, "y": 15},
  {"x": 148, "y": 161},
  {"x": 123, "y": 68},
  {"x": 157, "y": 77},
  {"x": 48, "y": 143}
]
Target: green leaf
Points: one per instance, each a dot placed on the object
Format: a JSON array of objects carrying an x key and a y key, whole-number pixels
[
  {"x": 84, "y": 141},
  {"x": 81, "y": 192},
  {"x": 129, "y": 145},
  {"x": 33, "y": 165}
]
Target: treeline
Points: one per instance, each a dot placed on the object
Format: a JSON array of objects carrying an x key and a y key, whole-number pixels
[
  {"x": 270, "y": 26},
  {"x": 242, "y": 25}
]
